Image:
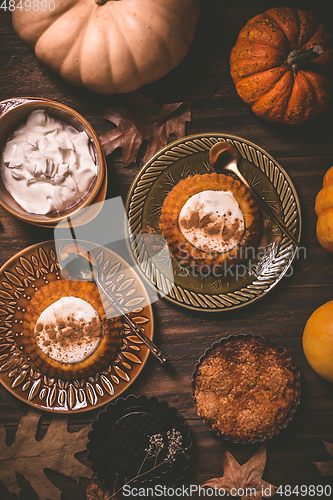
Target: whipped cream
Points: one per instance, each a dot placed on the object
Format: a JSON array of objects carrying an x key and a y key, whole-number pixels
[
  {"x": 47, "y": 166},
  {"x": 212, "y": 221},
  {"x": 69, "y": 330}
]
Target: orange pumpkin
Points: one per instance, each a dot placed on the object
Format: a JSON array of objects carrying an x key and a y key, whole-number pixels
[
  {"x": 324, "y": 211},
  {"x": 282, "y": 64},
  {"x": 318, "y": 341}
]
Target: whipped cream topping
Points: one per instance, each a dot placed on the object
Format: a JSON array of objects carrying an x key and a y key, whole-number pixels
[
  {"x": 69, "y": 330},
  {"x": 47, "y": 166},
  {"x": 212, "y": 221}
]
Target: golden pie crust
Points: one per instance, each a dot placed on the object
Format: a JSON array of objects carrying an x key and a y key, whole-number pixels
[
  {"x": 111, "y": 338},
  {"x": 187, "y": 254},
  {"x": 244, "y": 388}
]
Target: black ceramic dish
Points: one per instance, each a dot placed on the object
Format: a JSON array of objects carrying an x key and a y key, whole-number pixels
[
  {"x": 120, "y": 437},
  {"x": 291, "y": 365}
]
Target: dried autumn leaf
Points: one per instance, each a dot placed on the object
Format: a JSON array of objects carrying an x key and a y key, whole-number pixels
[
  {"x": 245, "y": 478},
  {"x": 326, "y": 468},
  {"x": 94, "y": 492},
  {"x": 29, "y": 457},
  {"x": 139, "y": 118}
]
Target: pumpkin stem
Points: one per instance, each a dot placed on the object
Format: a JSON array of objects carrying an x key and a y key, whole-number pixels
[{"x": 297, "y": 57}]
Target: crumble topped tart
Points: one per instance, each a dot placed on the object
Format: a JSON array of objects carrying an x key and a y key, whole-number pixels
[
  {"x": 209, "y": 220},
  {"x": 244, "y": 388},
  {"x": 66, "y": 332}
]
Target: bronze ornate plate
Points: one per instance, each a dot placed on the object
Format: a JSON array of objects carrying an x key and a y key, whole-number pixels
[
  {"x": 20, "y": 277},
  {"x": 240, "y": 285}
]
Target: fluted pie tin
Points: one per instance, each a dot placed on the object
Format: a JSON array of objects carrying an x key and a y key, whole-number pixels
[
  {"x": 243, "y": 391},
  {"x": 122, "y": 435}
]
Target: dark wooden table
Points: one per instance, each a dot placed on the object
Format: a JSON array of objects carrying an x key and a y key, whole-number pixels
[{"x": 305, "y": 151}]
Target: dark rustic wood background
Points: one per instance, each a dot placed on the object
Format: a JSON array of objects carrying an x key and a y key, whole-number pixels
[{"x": 305, "y": 151}]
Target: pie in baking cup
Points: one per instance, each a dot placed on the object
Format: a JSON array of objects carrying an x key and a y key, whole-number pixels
[
  {"x": 195, "y": 237},
  {"x": 246, "y": 388},
  {"x": 66, "y": 333}
]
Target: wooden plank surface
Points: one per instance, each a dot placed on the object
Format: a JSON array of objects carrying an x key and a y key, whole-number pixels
[{"x": 305, "y": 151}]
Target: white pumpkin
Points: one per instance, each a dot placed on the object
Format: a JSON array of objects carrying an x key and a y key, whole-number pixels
[{"x": 111, "y": 48}]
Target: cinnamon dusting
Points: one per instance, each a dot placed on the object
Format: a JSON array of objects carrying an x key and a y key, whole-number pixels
[
  {"x": 69, "y": 332},
  {"x": 212, "y": 221},
  {"x": 231, "y": 231}
]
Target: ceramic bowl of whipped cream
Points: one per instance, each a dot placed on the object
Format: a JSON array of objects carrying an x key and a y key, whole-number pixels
[{"x": 52, "y": 164}]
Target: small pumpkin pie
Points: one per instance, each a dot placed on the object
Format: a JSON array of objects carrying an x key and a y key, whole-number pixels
[
  {"x": 246, "y": 388},
  {"x": 210, "y": 220},
  {"x": 66, "y": 333}
]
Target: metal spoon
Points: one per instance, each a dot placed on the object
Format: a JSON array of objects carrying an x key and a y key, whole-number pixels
[
  {"x": 225, "y": 157},
  {"x": 81, "y": 268}
]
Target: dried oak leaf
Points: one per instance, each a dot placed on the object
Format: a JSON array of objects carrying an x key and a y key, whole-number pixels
[
  {"x": 139, "y": 118},
  {"x": 94, "y": 492},
  {"x": 246, "y": 476},
  {"x": 326, "y": 468},
  {"x": 54, "y": 451}
]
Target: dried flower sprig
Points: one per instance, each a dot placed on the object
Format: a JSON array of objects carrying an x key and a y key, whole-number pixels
[
  {"x": 155, "y": 445},
  {"x": 175, "y": 446}
]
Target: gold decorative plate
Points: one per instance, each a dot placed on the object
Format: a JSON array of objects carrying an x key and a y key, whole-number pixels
[
  {"x": 20, "y": 277},
  {"x": 239, "y": 285}
]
